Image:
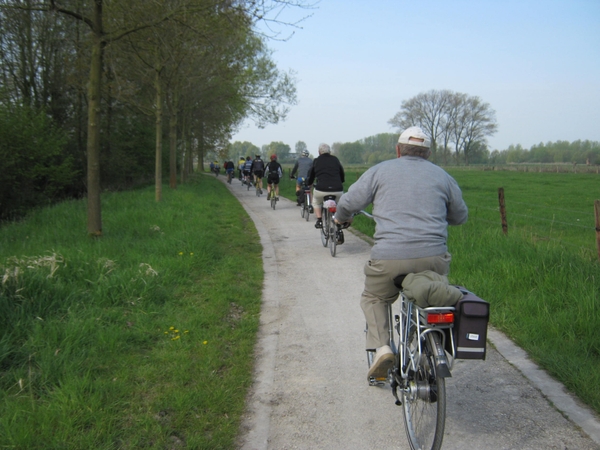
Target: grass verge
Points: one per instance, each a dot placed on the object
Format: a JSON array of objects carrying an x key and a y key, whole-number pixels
[{"x": 140, "y": 339}]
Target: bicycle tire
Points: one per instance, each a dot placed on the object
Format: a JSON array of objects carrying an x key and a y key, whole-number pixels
[
  {"x": 424, "y": 402},
  {"x": 324, "y": 229},
  {"x": 273, "y": 201},
  {"x": 332, "y": 238},
  {"x": 307, "y": 213},
  {"x": 302, "y": 210}
]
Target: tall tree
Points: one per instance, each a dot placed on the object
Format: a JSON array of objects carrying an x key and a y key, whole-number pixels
[
  {"x": 450, "y": 117},
  {"x": 426, "y": 110},
  {"x": 300, "y": 147}
]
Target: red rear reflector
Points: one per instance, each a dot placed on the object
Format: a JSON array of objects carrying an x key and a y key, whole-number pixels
[
  {"x": 334, "y": 209},
  {"x": 447, "y": 317}
]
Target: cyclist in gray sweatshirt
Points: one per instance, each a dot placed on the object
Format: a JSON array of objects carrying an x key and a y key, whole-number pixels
[
  {"x": 301, "y": 170},
  {"x": 414, "y": 201}
]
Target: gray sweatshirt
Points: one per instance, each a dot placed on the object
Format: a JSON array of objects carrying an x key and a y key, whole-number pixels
[
  {"x": 414, "y": 201},
  {"x": 302, "y": 167}
]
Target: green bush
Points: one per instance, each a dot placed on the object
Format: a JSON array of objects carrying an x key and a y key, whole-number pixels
[{"x": 34, "y": 170}]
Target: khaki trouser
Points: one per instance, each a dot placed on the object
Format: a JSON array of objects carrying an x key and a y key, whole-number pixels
[{"x": 380, "y": 291}]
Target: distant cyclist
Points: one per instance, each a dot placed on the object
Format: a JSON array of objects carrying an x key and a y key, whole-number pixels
[
  {"x": 274, "y": 172},
  {"x": 215, "y": 168},
  {"x": 248, "y": 170},
  {"x": 329, "y": 173},
  {"x": 241, "y": 163},
  {"x": 300, "y": 172},
  {"x": 229, "y": 169},
  {"x": 258, "y": 169}
]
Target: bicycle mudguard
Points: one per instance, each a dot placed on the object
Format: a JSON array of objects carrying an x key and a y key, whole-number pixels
[{"x": 470, "y": 326}]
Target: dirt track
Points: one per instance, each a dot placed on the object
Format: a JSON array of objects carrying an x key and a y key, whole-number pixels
[{"x": 310, "y": 389}]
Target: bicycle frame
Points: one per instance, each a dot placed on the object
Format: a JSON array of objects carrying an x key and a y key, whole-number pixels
[
  {"x": 305, "y": 211},
  {"x": 415, "y": 317},
  {"x": 307, "y": 195}
]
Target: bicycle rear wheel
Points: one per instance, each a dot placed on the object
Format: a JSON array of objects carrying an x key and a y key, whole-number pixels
[
  {"x": 332, "y": 238},
  {"x": 325, "y": 228},
  {"x": 424, "y": 402},
  {"x": 306, "y": 207}
]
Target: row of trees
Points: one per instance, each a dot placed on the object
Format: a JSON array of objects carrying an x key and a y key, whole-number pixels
[
  {"x": 114, "y": 77},
  {"x": 381, "y": 147},
  {"x": 577, "y": 152},
  {"x": 237, "y": 149}
]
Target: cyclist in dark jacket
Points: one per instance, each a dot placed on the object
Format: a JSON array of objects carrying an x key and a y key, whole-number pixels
[
  {"x": 273, "y": 172},
  {"x": 258, "y": 169},
  {"x": 329, "y": 173}
]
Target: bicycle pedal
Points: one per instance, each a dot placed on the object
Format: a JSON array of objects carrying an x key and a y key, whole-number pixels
[{"x": 376, "y": 381}]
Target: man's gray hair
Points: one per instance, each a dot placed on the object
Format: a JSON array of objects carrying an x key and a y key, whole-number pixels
[
  {"x": 324, "y": 148},
  {"x": 414, "y": 150}
]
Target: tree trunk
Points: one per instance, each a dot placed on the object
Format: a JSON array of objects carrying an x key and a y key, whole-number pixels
[
  {"x": 200, "y": 167},
  {"x": 94, "y": 215},
  {"x": 158, "y": 170},
  {"x": 173, "y": 150}
]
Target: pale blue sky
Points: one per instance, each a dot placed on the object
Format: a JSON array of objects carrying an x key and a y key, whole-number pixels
[{"x": 536, "y": 62}]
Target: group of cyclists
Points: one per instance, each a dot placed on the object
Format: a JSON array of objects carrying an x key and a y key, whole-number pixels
[
  {"x": 326, "y": 172},
  {"x": 252, "y": 171}
]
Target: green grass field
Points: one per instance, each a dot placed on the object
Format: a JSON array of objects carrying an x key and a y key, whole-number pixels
[{"x": 140, "y": 339}]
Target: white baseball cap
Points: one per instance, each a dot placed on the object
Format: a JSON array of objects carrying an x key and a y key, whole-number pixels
[{"x": 414, "y": 136}]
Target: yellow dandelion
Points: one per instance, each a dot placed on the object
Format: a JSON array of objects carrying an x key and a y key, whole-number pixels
[
  {"x": 180, "y": 253},
  {"x": 205, "y": 342},
  {"x": 186, "y": 331},
  {"x": 191, "y": 253},
  {"x": 166, "y": 332},
  {"x": 171, "y": 328},
  {"x": 175, "y": 331}
]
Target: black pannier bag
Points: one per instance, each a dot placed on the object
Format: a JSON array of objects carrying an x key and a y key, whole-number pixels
[{"x": 470, "y": 326}]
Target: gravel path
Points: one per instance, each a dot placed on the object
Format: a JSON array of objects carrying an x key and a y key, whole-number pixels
[{"x": 310, "y": 389}]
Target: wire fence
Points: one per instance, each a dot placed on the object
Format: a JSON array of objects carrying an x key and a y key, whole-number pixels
[{"x": 572, "y": 228}]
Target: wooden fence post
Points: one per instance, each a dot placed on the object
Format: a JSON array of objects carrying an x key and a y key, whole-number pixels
[
  {"x": 597, "y": 213},
  {"x": 502, "y": 210}
]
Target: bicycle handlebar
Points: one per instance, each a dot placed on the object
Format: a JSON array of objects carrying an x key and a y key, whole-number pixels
[{"x": 364, "y": 213}]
